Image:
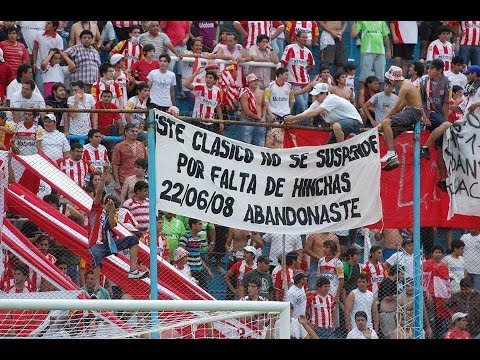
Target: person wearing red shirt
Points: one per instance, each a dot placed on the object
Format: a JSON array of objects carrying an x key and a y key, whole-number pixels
[
  {"x": 107, "y": 121},
  {"x": 459, "y": 327}
]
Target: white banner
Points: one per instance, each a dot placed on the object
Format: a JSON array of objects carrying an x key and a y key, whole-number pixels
[
  {"x": 213, "y": 178},
  {"x": 461, "y": 152}
]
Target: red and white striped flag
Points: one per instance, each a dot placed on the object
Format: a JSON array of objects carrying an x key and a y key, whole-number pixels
[{"x": 226, "y": 82}]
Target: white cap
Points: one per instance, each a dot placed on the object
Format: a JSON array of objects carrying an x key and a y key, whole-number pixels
[
  {"x": 116, "y": 58},
  {"x": 394, "y": 73},
  {"x": 319, "y": 88},
  {"x": 1, "y": 56},
  {"x": 50, "y": 117},
  {"x": 251, "y": 249},
  {"x": 179, "y": 253},
  {"x": 251, "y": 77},
  {"x": 457, "y": 316}
]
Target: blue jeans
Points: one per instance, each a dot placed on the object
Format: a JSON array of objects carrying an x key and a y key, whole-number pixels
[
  {"x": 325, "y": 333},
  {"x": 278, "y": 45},
  {"x": 470, "y": 53},
  {"x": 254, "y": 135},
  {"x": 312, "y": 275},
  {"x": 301, "y": 103}
]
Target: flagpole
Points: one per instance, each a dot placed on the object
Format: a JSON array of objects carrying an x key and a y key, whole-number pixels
[
  {"x": 152, "y": 218},
  {"x": 417, "y": 265}
]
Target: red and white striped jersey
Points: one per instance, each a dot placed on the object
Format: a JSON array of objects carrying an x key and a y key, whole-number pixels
[
  {"x": 310, "y": 27},
  {"x": 124, "y": 24},
  {"x": 96, "y": 157},
  {"x": 296, "y": 59},
  {"x": 376, "y": 274},
  {"x": 321, "y": 310},
  {"x": 139, "y": 210},
  {"x": 131, "y": 52},
  {"x": 114, "y": 87},
  {"x": 76, "y": 170},
  {"x": 163, "y": 249},
  {"x": 443, "y": 51},
  {"x": 254, "y": 28},
  {"x": 28, "y": 287},
  {"x": 126, "y": 217},
  {"x": 278, "y": 282},
  {"x": 333, "y": 270},
  {"x": 470, "y": 31},
  {"x": 406, "y": 31},
  {"x": 229, "y": 88},
  {"x": 35, "y": 276},
  {"x": 252, "y": 104},
  {"x": 206, "y": 100},
  {"x": 240, "y": 268}
]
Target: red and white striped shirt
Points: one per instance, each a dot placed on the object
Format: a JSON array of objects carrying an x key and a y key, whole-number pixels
[
  {"x": 443, "y": 51},
  {"x": 278, "y": 281},
  {"x": 406, "y": 31},
  {"x": 321, "y": 310},
  {"x": 114, "y": 87},
  {"x": 206, "y": 100},
  {"x": 296, "y": 59},
  {"x": 96, "y": 157},
  {"x": 76, "y": 170},
  {"x": 124, "y": 24},
  {"x": 240, "y": 268},
  {"x": 139, "y": 210},
  {"x": 10, "y": 287},
  {"x": 376, "y": 274},
  {"x": 470, "y": 31},
  {"x": 253, "y": 29},
  {"x": 252, "y": 105},
  {"x": 310, "y": 27},
  {"x": 131, "y": 52}
]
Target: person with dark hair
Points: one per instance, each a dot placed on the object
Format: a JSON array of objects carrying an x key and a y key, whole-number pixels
[
  {"x": 262, "y": 51},
  {"x": 129, "y": 48},
  {"x": 416, "y": 70},
  {"x": 79, "y": 123},
  {"x": 442, "y": 48},
  {"x": 107, "y": 82},
  {"x": 138, "y": 205},
  {"x": 191, "y": 242},
  {"x": 6, "y": 77},
  {"x": 81, "y": 28},
  {"x": 102, "y": 240},
  {"x": 74, "y": 166},
  {"x": 58, "y": 99},
  {"x": 467, "y": 300},
  {"x": 361, "y": 330},
  {"x": 86, "y": 57},
  {"x": 261, "y": 273},
  {"x": 94, "y": 153},
  {"x": 52, "y": 72},
  {"x": 456, "y": 264},
  {"x": 141, "y": 168},
  {"x": 27, "y": 97},
  {"x": 15, "y": 52},
  {"x": 455, "y": 74},
  {"x": 20, "y": 283},
  {"x": 109, "y": 124},
  {"x": 139, "y": 102},
  {"x": 140, "y": 69}
]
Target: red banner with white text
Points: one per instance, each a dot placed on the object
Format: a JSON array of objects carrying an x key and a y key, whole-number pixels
[{"x": 397, "y": 185}]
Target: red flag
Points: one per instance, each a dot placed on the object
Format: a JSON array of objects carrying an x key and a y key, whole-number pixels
[{"x": 397, "y": 186}]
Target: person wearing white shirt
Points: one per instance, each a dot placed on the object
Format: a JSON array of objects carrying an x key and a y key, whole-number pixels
[
  {"x": 55, "y": 144},
  {"x": 296, "y": 295},
  {"x": 472, "y": 254}
]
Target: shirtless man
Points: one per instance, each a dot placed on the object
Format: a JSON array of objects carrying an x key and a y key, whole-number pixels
[
  {"x": 254, "y": 108},
  {"x": 332, "y": 45},
  {"x": 314, "y": 249},
  {"x": 341, "y": 89},
  {"x": 406, "y": 112},
  {"x": 236, "y": 241},
  {"x": 392, "y": 240}
]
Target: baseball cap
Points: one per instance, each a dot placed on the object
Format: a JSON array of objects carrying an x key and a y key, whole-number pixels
[
  {"x": 1, "y": 56},
  {"x": 251, "y": 249},
  {"x": 319, "y": 88},
  {"x": 263, "y": 259},
  {"x": 211, "y": 64},
  {"x": 394, "y": 73},
  {"x": 251, "y": 77},
  {"x": 116, "y": 58},
  {"x": 457, "y": 316},
  {"x": 179, "y": 253},
  {"x": 473, "y": 69},
  {"x": 298, "y": 275},
  {"x": 50, "y": 117}
]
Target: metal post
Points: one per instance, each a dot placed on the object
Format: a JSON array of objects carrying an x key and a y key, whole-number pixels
[
  {"x": 417, "y": 265},
  {"x": 152, "y": 209}
]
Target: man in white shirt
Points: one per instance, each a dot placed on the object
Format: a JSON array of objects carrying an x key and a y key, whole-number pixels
[
  {"x": 296, "y": 295},
  {"x": 55, "y": 144},
  {"x": 342, "y": 116}
]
